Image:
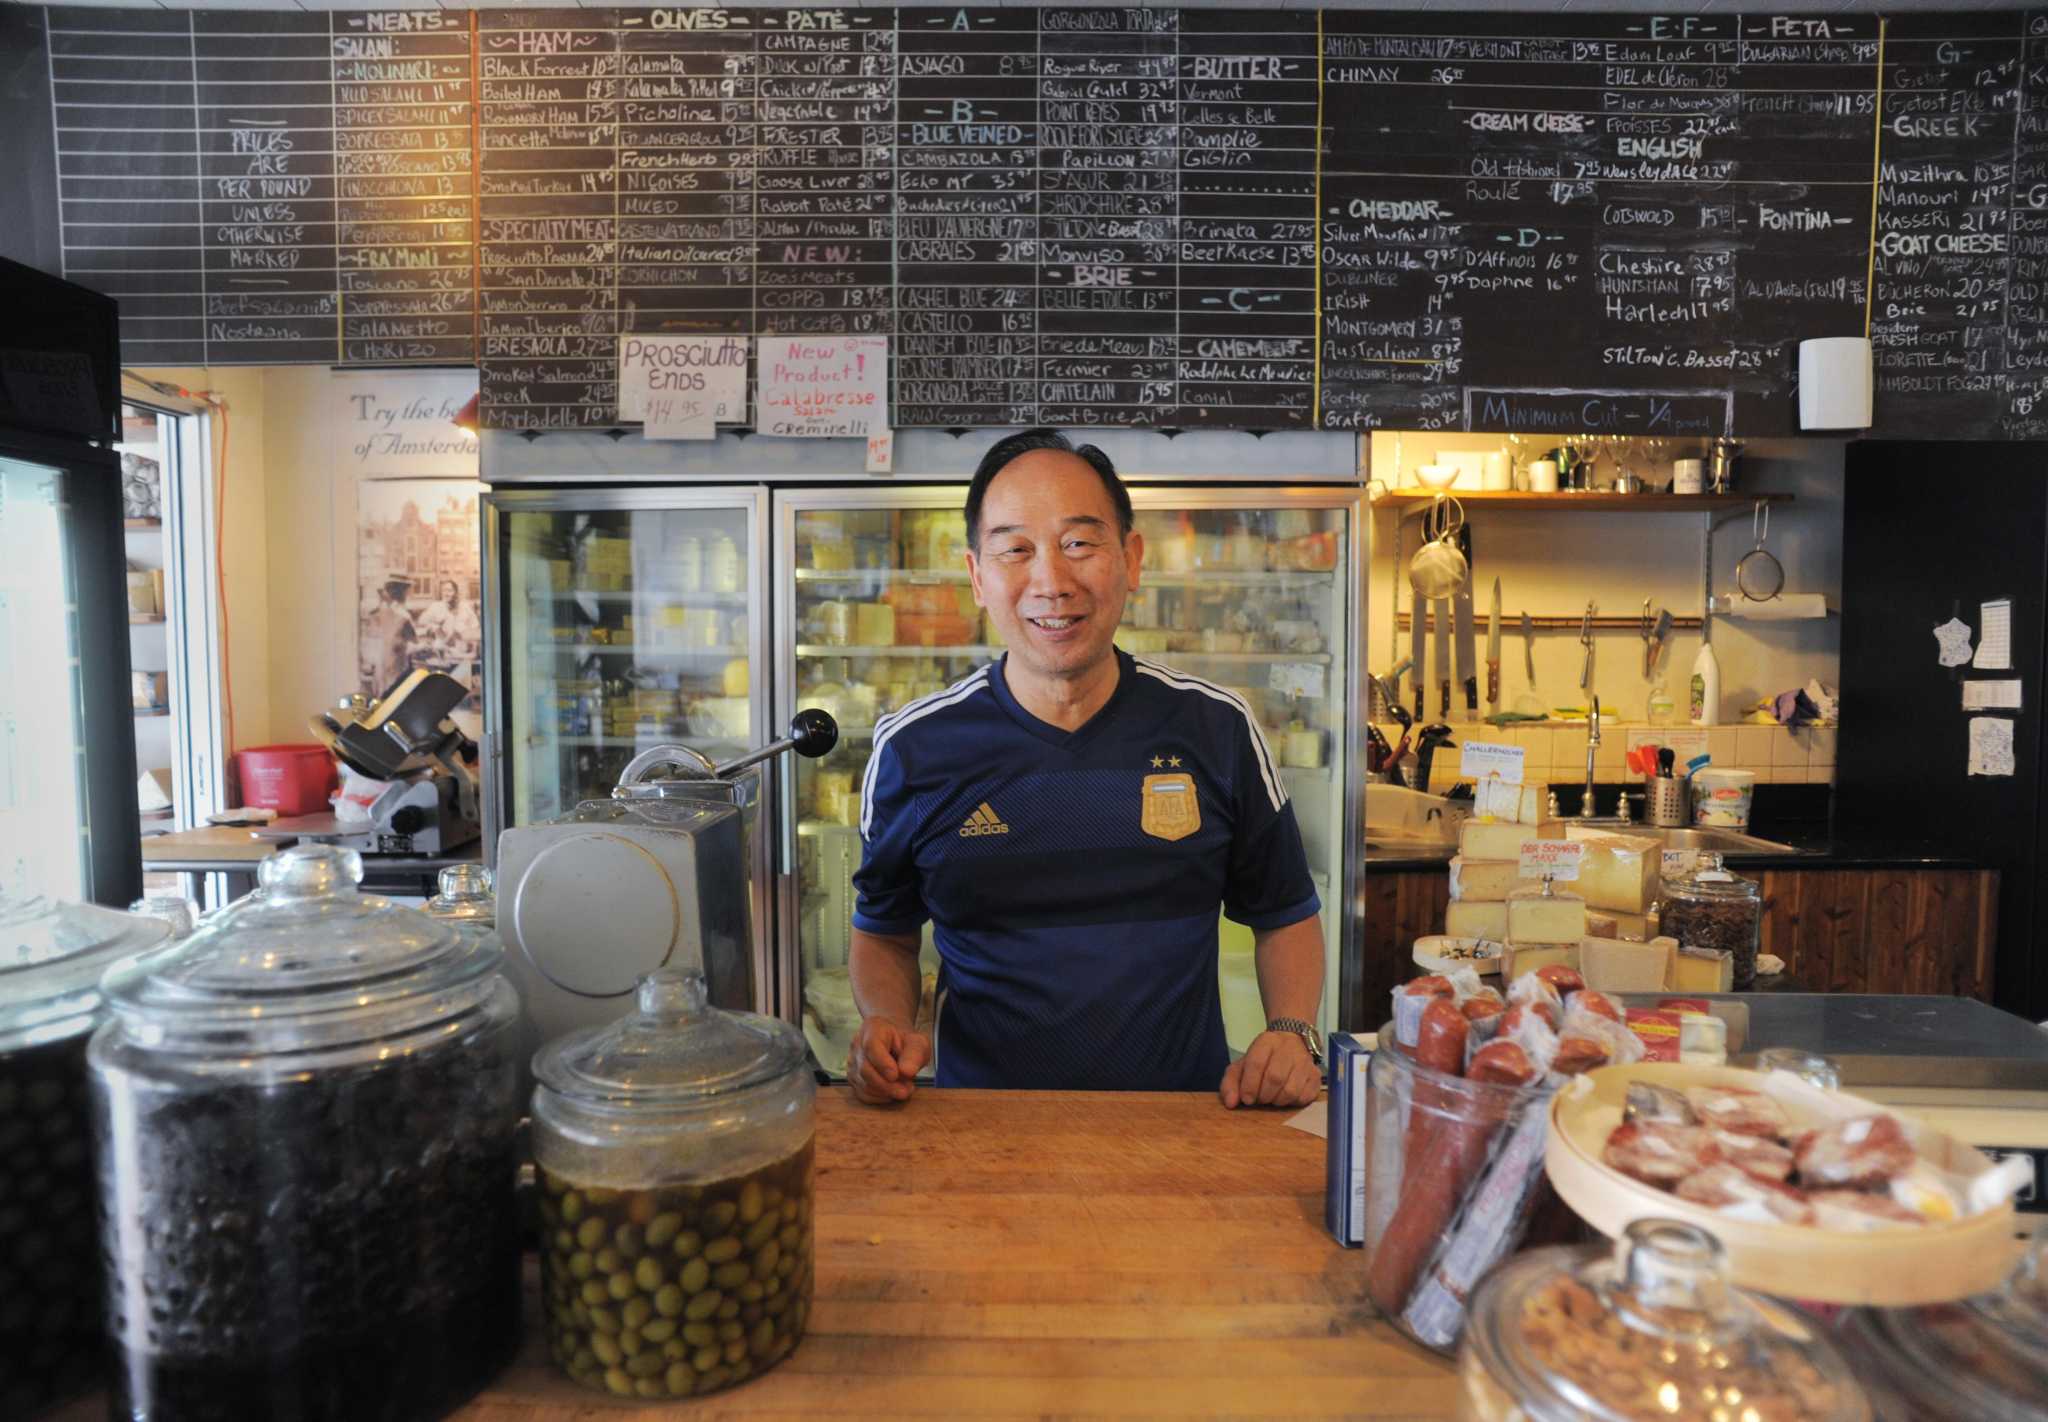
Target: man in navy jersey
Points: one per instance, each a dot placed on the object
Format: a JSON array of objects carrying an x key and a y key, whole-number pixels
[{"x": 1071, "y": 819}]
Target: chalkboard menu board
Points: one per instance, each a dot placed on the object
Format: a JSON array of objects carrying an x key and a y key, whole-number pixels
[
  {"x": 1105, "y": 216},
  {"x": 269, "y": 187}
]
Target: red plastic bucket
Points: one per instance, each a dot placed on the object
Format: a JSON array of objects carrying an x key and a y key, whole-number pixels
[{"x": 292, "y": 780}]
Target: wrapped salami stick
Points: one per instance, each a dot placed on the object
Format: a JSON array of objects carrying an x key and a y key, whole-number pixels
[
  {"x": 1450, "y": 1159},
  {"x": 1532, "y": 1026},
  {"x": 1495, "y": 1219},
  {"x": 1587, "y": 1000},
  {"x": 1484, "y": 1011},
  {"x": 1565, "y": 980},
  {"x": 1440, "y": 1046},
  {"x": 1531, "y": 987},
  {"x": 1588, "y": 1038},
  {"x": 1409, "y": 1000}
]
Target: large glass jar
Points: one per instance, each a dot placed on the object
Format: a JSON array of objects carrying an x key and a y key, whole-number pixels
[
  {"x": 1647, "y": 1330},
  {"x": 677, "y": 1194},
  {"x": 1984, "y": 1357},
  {"x": 306, "y": 1115},
  {"x": 52, "y": 1335},
  {"x": 1718, "y": 910}
]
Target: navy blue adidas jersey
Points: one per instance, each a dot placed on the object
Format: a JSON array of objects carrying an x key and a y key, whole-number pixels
[{"x": 1073, "y": 878}]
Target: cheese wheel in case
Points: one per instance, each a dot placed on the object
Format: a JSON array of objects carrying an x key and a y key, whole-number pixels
[
  {"x": 1488, "y": 879},
  {"x": 1473, "y": 918},
  {"x": 1497, "y": 839},
  {"x": 1546, "y": 915}
]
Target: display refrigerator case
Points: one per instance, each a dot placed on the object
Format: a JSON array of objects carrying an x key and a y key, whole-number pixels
[
  {"x": 1257, "y": 590},
  {"x": 622, "y": 619}
]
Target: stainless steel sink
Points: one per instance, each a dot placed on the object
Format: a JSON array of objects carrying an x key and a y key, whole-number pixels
[{"x": 1719, "y": 841}]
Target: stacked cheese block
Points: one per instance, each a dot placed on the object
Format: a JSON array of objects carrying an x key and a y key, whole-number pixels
[{"x": 1601, "y": 923}]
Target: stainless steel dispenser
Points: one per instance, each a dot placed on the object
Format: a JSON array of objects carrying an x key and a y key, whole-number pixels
[{"x": 655, "y": 877}]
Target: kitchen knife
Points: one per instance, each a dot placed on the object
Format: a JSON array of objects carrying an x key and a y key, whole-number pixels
[
  {"x": 1657, "y": 636},
  {"x": 1418, "y": 630},
  {"x": 1493, "y": 654},
  {"x": 1529, "y": 648},
  {"x": 1586, "y": 641},
  {"x": 1440, "y": 612},
  {"x": 1468, "y": 665}
]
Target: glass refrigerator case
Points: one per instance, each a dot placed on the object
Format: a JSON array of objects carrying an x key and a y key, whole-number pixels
[
  {"x": 1255, "y": 590},
  {"x": 623, "y": 619}
]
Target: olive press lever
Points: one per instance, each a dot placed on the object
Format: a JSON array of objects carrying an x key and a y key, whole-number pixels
[{"x": 812, "y": 733}]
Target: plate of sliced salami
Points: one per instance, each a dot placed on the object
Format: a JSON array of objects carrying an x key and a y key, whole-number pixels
[{"x": 1814, "y": 1194}]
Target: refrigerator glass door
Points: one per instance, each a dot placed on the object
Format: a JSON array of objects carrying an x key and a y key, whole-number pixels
[
  {"x": 43, "y": 837},
  {"x": 879, "y": 614},
  {"x": 623, "y": 620},
  {"x": 1253, "y": 591}
]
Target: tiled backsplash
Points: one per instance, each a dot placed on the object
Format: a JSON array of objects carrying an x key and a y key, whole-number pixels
[{"x": 1557, "y": 753}]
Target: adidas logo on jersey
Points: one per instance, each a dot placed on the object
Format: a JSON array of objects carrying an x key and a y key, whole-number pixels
[{"x": 983, "y": 821}]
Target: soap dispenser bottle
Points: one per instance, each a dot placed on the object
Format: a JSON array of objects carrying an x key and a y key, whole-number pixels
[{"x": 1706, "y": 687}]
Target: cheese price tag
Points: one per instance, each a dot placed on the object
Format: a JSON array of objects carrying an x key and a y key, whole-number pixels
[
  {"x": 1679, "y": 862},
  {"x": 1552, "y": 858}
]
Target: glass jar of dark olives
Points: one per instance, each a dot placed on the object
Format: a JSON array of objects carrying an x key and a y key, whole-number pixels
[
  {"x": 52, "y": 1338},
  {"x": 307, "y": 1121},
  {"x": 677, "y": 1195}
]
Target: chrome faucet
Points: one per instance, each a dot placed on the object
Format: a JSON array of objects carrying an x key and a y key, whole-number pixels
[{"x": 1592, "y": 744}]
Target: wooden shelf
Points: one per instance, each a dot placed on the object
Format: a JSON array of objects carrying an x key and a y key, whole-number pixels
[
  {"x": 1591, "y": 501},
  {"x": 141, "y": 523}
]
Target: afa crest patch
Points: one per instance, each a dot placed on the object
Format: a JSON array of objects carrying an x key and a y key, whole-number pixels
[{"x": 1169, "y": 807}]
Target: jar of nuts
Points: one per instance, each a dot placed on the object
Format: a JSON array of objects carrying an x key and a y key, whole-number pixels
[
  {"x": 674, "y": 1150},
  {"x": 1646, "y": 1329},
  {"x": 1717, "y": 910},
  {"x": 53, "y": 1337}
]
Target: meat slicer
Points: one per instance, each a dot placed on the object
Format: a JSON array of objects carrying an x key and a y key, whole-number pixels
[
  {"x": 405, "y": 739},
  {"x": 656, "y": 876}
]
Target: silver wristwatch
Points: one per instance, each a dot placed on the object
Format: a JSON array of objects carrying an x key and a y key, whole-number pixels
[{"x": 1304, "y": 1030}]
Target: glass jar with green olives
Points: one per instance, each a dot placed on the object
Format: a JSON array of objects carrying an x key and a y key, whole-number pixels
[
  {"x": 677, "y": 1194},
  {"x": 53, "y": 1338}
]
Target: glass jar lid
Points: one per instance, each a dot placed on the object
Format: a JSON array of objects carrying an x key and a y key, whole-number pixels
[
  {"x": 1707, "y": 879},
  {"x": 1651, "y": 1330},
  {"x": 306, "y": 961},
  {"x": 467, "y": 896},
  {"x": 51, "y": 958},
  {"x": 675, "y": 1051},
  {"x": 1984, "y": 1357}
]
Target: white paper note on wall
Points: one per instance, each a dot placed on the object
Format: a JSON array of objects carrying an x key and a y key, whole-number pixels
[
  {"x": 1990, "y": 746},
  {"x": 705, "y": 377},
  {"x": 1994, "y": 645},
  {"x": 1999, "y": 695},
  {"x": 823, "y": 387}
]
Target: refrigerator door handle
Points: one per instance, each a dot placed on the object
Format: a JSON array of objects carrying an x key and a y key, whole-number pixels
[{"x": 785, "y": 812}]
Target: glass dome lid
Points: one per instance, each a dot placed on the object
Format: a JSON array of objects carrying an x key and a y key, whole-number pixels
[
  {"x": 51, "y": 957},
  {"x": 675, "y": 1051},
  {"x": 307, "y": 960}
]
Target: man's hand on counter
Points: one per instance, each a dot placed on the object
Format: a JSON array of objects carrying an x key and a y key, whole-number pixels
[
  {"x": 883, "y": 1064},
  {"x": 1276, "y": 1071}
]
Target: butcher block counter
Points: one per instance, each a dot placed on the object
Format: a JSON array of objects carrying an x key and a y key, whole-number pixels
[
  {"x": 1023, "y": 1253},
  {"x": 987, "y": 1254}
]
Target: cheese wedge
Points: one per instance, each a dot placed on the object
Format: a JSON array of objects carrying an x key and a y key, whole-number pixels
[
  {"x": 1620, "y": 873},
  {"x": 1473, "y": 918},
  {"x": 1513, "y": 804},
  {"x": 1535, "y": 916},
  {"x": 1635, "y": 927},
  {"x": 1488, "y": 879},
  {"x": 1617, "y": 965},
  {"x": 1498, "y": 839},
  {"x": 1703, "y": 970}
]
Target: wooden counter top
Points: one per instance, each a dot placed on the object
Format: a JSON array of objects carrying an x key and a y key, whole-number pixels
[{"x": 993, "y": 1254}]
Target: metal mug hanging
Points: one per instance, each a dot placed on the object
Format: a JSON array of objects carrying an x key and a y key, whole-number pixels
[
  {"x": 1438, "y": 568},
  {"x": 1759, "y": 574}
]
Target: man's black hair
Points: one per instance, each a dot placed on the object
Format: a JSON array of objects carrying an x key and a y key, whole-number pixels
[{"x": 1005, "y": 452}]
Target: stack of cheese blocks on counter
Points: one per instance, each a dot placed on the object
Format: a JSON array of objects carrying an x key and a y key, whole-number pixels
[{"x": 1601, "y": 923}]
